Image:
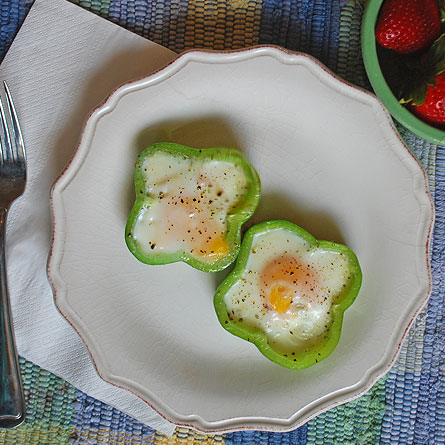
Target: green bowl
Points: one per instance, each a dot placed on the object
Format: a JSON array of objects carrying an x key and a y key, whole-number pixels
[{"x": 374, "y": 59}]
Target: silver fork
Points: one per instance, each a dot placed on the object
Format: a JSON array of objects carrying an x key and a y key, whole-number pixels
[{"x": 12, "y": 185}]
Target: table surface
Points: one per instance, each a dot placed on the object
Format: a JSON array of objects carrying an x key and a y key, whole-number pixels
[{"x": 405, "y": 406}]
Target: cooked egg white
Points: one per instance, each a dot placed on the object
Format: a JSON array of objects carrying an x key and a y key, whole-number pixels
[
  {"x": 191, "y": 201},
  {"x": 287, "y": 289}
]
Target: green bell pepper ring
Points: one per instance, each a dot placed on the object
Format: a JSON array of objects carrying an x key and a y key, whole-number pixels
[
  {"x": 201, "y": 200},
  {"x": 309, "y": 351}
]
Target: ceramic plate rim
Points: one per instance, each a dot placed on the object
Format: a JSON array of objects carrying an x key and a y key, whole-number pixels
[{"x": 318, "y": 406}]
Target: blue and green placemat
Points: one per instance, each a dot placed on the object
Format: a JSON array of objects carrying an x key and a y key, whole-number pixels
[{"x": 407, "y": 406}]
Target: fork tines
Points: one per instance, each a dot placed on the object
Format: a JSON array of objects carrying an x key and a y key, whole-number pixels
[{"x": 10, "y": 151}]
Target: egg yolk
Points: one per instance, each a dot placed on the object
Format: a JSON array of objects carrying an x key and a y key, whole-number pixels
[
  {"x": 190, "y": 221},
  {"x": 215, "y": 248},
  {"x": 285, "y": 278},
  {"x": 280, "y": 297}
]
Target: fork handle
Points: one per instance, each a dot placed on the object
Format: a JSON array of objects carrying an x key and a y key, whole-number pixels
[{"x": 12, "y": 403}]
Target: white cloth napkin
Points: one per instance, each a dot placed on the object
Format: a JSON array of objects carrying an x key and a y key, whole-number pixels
[{"x": 63, "y": 62}]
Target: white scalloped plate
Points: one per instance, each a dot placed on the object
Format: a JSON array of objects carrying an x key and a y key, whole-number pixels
[{"x": 330, "y": 160}]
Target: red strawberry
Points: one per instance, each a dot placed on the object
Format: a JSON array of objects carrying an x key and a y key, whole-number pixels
[
  {"x": 407, "y": 26},
  {"x": 424, "y": 90},
  {"x": 432, "y": 110}
]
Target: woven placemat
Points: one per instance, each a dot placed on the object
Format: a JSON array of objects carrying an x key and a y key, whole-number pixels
[{"x": 407, "y": 405}]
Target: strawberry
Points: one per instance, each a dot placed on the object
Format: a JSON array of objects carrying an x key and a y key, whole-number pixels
[
  {"x": 408, "y": 26},
  {"x": 425, "y": 96},
  {"x": 432, "y": 110}
]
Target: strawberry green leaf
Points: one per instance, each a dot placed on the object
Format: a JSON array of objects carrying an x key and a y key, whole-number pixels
[
  {"x": 441, "y": 4},
  {"x": 434, "y": 61},
  {"x": 422, "y": 72},
  {"x": 416, "y": 96}
]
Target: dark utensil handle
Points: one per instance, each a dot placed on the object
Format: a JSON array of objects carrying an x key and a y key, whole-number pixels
[{"x": 12, "y": 403}]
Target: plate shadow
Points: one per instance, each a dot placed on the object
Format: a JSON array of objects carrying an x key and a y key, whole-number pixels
[{"x": 275, "y": 205}]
